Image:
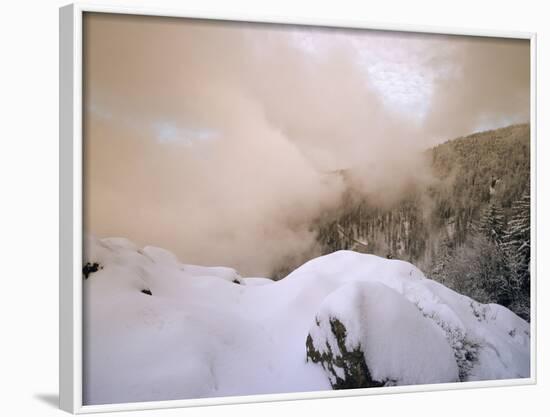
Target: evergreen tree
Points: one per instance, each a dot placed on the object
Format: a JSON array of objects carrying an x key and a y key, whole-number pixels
[
  {"x": 517, "y": 245},
  {"x": 442, "y": 257},
  {"x": 517, "y": 239},
  {"x": 491, "y": 223}
]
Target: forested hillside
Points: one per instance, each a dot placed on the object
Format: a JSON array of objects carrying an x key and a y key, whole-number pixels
[{"x": 469, "y": 229}]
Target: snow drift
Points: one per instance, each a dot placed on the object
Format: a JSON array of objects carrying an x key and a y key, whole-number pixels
[{"x": 158, "y": 329}]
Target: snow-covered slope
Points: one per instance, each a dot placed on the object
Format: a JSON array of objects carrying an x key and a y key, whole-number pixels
[{"x": 157, "y": 329}]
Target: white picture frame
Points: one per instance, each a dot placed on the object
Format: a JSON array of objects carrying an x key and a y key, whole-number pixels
[{"x": 71, "y": 235}]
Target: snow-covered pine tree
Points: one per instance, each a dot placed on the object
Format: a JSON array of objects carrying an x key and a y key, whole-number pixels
[
  {"x": 517, "y": 245},
  {"x": 441, "y": 259},
  {"x": 492, "y": 224},
  {"x": 517, "y": 240},
  {"x": 488, "y": 259}
]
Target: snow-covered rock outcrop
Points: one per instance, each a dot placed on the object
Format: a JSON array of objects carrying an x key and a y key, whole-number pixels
[
  {"x": 370, "y": 325},
  {"x": 158, "y": 329}
]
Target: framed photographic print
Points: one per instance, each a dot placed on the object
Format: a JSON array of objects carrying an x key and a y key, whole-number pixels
[{"x": 257, "y": 210}]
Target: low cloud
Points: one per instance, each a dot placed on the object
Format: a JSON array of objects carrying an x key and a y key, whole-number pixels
[{"x": 222, "y": 142}]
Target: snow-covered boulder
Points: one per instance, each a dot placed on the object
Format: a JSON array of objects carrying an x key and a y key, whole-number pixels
[{"x": 367, "y": 334}]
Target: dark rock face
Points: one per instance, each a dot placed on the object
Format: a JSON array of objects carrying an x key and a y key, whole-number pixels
[
  {"x": 352, "y": 363},
  {"x": 90, "y": 268},
  {"x": 147, "y": 291}
]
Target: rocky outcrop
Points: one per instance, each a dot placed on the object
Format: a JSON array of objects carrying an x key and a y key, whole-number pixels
[{"x": 347, "y": 368}]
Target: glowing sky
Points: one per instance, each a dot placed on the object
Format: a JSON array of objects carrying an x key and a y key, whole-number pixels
[{"x": 214, "y": 139}]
